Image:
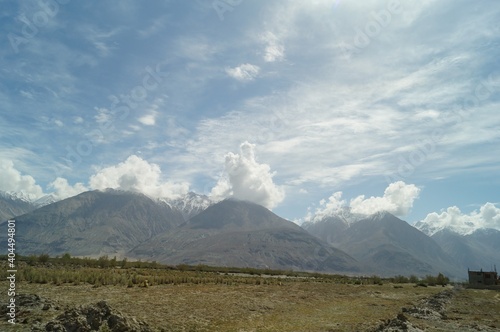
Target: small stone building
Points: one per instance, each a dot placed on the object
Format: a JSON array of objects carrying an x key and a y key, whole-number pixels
[{"x": 480, "y": 278}]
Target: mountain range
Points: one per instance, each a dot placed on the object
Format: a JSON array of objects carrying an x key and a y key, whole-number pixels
[
  {"x": 386, "y": 244},
  {"x": 195, "y": 230},
  {"x": 94, "y": 223},
  {"x": 475, "y": 251},
  {"x": 11, "y": 206},
  {"x": 244, "y": 234}
]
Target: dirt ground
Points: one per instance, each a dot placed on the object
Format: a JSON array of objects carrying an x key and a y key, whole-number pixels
[{"x": 291, "y": 306}]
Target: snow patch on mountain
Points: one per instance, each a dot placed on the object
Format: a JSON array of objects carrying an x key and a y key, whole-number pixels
[
  {"x": 347, "y": 216},
  {"x": 189, "y": 205},
  {"x": 45, "y": 200},
  {"x": 29, "y": 198},
  {"x": 20, "y": 196},
  {"x": 343, "y": 216}
]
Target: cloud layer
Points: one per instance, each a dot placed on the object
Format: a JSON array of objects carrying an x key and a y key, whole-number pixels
[
  {"x": 246, "y": 179},
  {"x": 488, "y": 216},
  {"x": 398, "y": 199}
]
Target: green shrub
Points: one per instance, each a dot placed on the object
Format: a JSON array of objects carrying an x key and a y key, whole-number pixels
[
  {"x": 43, "y": 258},
  {"x": 66, "y": 258},
  {"x": 442, "y": 280},
  {"x": 413, "y": 279}
]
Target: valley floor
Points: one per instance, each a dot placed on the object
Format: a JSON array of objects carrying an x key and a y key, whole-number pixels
[{"x": 289, "y": 306}]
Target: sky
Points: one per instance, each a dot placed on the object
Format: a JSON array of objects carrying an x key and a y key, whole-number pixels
[{"x": 301, "y": 106}]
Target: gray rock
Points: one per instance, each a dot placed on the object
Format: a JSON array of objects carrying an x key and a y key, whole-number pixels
[{"x": 95, "y": 317}]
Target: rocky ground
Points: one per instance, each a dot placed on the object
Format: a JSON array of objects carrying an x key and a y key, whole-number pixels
[
  {"x": 291, "y": 307},
  {"x": 32, "y": 309},
  {"x": 432, "y": 308},
  {"x": 433, "y": 313}
]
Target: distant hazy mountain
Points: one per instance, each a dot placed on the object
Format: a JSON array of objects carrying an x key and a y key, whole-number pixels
[
  {"x": 479, "y": 250},
  {"x": 473, "y": 247},
  {"x": 190, "y": 204},
  {"x": 12, "y": 205},
  {"x": 387, "y": 244},
  {"x": 238, "y": 233},
  {"x": 94, "y": 223}
]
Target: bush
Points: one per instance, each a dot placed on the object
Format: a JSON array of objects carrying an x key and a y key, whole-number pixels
[
  {"x": 112, "y": 262},
  {"x": 43, "y": 258},
  {"x": 376, "y": 280},
  {"x": 413, "y": 279},
  {"x": 103, "y": 261},
  {"x": 31, "y": 260},
  {"x": 442, "y": 280},
  {"x": 399, "y": 279}
]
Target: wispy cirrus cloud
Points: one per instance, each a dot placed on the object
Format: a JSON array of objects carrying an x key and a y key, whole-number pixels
[
  {"x": 322, "y": 121},
  {"x": 244, "y": 72}
]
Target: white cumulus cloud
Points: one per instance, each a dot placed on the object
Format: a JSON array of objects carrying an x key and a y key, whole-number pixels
[
  {"x": 62, "y": 189},
  {"x": 398, "y": 199},
  {"x": 11, "y": 180},
  {"x": 488, "y": 216},
  {"x": 244, "y": 72},
  {"x": 246, "y": 179},
  {"x": 136, "y": 174},
  {"x": 331, "y": 207}
]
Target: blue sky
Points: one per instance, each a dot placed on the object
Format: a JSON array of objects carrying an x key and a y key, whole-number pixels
[{"x": 280, "y": 102}]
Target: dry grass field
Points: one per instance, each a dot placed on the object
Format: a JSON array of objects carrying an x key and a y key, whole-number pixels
[
  {"x": 293, "y": 306},
  {"x": 222, "y": 302}
]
